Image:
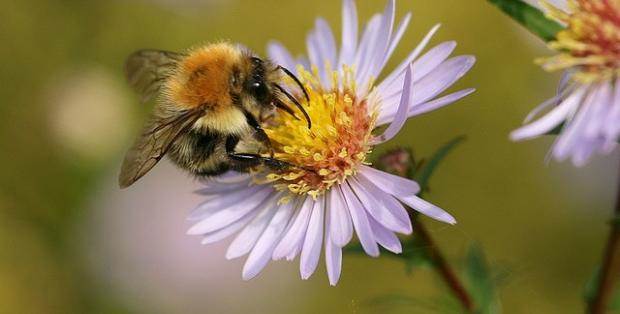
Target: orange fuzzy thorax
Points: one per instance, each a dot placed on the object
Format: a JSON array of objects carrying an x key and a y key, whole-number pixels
[
  {"x": 591, "y": 40},
  {"x": 203, "y": 77},
  {"x": 333, "y": 149}
]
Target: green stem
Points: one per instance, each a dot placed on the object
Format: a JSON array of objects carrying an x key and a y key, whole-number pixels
[
  {"x": 610, "y": 271},
  {"x": 441, "y": 265}
]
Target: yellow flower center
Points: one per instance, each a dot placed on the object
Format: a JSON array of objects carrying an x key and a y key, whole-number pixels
[
  {"x": 590, "y": 42},
  {"x": 335, "y": 146}
]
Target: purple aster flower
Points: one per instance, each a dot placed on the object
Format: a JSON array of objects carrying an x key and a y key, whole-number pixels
[
  {"x": 587, "y": 105},
  {"x": 301, "y": 212}
]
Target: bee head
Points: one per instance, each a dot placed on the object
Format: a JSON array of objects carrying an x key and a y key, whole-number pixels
[
  {"x": 260, "y": 93},
  {"x": 257, "y": 83},
  {"x": 250, "y": 88}
]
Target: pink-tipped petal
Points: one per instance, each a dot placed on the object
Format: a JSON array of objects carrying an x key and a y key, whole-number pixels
[
  {"x": 612, "y": 126},
  {"x": 349, "y": 33},
  {"x": 261, "y": 253},
  {"x": 389, "y": 183},
  {"x": 554, "y": 101},
  {"x": 315, "y": 56},
  {"x": 423, "y": 66},
  {"x": 364, "y": 51},
  {"x": 229, "y": 230},
  {"x": 280, "y": 55},
  {"x": 230, "y": 210},
  {"x": 427, "y": 209},
  {"x": 439, "y": 102},
  {"x": 442, "y": 77},
  {"x": 390, "y": 207},
  {"x": 602, "y": 105},
  {"x": 380, "y": 46},
  {"x": 311, "y": 250},
  {"x": 333, "y": 260},
  {"x": 245, "y": 240},
  {"x": 341, "y": 225},
  {"x": 327, "y": 43},
  {"x": 297, "y": 231},
  {"x": 377, "y": 209},
  {"x": 429, "y": 106},
  {"x": 571, "y": 137},
  {"x": 223, "y": 196},
  {"x": 360, "y": 221},
  {"x": 428, "y": 62},
  {"x": 549, "y": 121},
  {"x": 385, "y": 237},
  {"x": 293, "y": 253},
  {"x": 412, "y": 56},
  {"x": 431, "y": 85},
  {"x": 400, "y": 31},
  {"x": 401, "y": 114}
]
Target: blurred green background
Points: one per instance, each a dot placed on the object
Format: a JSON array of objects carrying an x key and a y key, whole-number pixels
[{"x": 71, "y": 242}]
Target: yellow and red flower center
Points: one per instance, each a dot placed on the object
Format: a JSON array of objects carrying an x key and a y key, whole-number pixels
[
  {"x": 591, "y": 40},
  {"x": 335, "y": 146}
]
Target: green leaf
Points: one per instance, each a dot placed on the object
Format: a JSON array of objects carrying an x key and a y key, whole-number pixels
[
  {"x": 423, "y": 175},
  {"x": 482, "y": 281},
  {"x": 478, "y": 277},
  {"x": 590, "y": 292},
  {"x": 530, "y": 17}
]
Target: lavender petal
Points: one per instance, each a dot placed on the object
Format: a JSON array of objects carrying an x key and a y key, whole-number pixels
[{"x": 311, "y": 250}]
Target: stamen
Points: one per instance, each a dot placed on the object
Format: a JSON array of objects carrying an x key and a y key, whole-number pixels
[
  {"x": 591, "y": 41},
  {"x": 338, "y": 143}
]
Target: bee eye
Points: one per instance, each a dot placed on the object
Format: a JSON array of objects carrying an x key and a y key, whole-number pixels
[{"x": 259, "y": 90}]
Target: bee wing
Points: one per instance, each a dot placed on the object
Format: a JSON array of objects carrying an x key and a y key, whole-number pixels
[
  {"x": 153, "y": 144},
  {"x": 147, "y": 70}
]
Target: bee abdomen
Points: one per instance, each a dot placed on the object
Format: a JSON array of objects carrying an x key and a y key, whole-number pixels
[{"x": 203, "y": 154}]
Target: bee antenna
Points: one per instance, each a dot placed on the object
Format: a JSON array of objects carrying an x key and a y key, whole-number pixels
[
  {"x": 291, "y": 75},
  {"x": 286, "y": 108},
  {"x": 293, "y": 100}
]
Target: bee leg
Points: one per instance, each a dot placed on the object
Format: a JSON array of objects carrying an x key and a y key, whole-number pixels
[
  {"x": 251, "y": 160},
  {"x": 244, "y": 161},
  {"x": 259, "y": 133}
]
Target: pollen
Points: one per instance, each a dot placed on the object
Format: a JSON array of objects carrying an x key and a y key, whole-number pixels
[
  {"x": 591, "y": 41},
  {"x": 336, "y": 145}
]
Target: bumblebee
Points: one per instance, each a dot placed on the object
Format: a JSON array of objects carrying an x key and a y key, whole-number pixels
[{"x": 212, "y": 102}]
